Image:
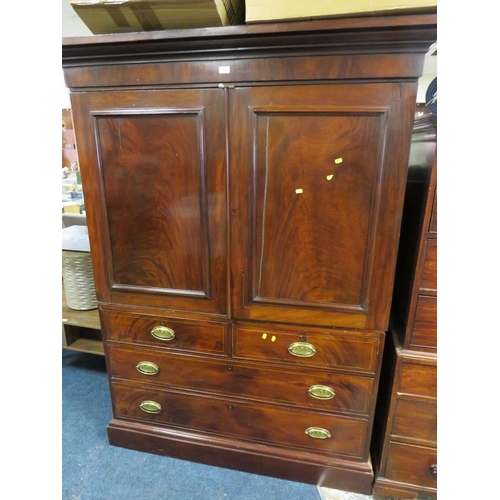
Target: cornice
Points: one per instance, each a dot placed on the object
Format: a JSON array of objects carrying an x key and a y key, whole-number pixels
[{"x": 391, "y": 33}]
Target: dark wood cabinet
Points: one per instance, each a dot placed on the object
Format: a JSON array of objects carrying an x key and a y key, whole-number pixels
[
  {"x": 405, "y": 445},
  {"x": 244, "y": 189}
]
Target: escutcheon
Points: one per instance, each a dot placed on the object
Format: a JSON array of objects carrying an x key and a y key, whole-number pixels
[
  {"x": 318, "y": 433},
  {"x": 302, "y": 349},
  {"x": 163, "y": 333}
]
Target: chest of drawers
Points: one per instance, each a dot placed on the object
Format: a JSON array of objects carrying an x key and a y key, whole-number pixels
[
  {"x": 406, "y": 446},
  {"x": 244, "y": 189}
]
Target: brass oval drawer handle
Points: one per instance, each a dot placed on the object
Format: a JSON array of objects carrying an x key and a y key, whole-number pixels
[
  {"x": 318, "y": 433},
  {"x": 150, "y": 407},
  {"x": 302, "y": 349},
  {"x": 321, "y": 392},
  {"x": 163, "y": 333},
  {"x": 147, "y": 368}
]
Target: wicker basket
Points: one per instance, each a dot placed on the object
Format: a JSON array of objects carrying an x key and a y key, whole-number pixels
[{"x": 78, "y": 280}]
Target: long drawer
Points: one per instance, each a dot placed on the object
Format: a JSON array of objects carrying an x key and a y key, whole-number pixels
[
  {"x": 305, "y": 347},
  {"x": 412, "y": 464},
  {"x": 429, "y": 272},
  {"x": 324, "y": 433},
  {"x": 322, "y": 390},
  {"x": 415, "y": 419},
  {"x": 424, "y": 332},
  {"x": 164, "y": 332},
  {"x": 418, "y": 379}
]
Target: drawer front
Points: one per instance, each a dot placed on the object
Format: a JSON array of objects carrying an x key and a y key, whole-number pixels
[
  {"x": 418, "y": 379},
  {"x": 415, "y": 420},
  {"x": 346, "y": 393},
  {"x": 411, "y": 464},
  {"x": 187, "y": 335},
  {"x": 429, "y": 273},
  {"x": 256, "y": 422},
  {"x": 424, "y": 333},
  {"x": 322, "y": 350}
]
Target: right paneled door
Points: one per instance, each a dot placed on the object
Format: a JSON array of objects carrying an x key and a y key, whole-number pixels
[{"x": 317, "y": 175}]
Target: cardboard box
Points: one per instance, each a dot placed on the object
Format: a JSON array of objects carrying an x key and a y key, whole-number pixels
[
  {"x": 281, "y": 10},
  {"x": 124, "y": 16}
]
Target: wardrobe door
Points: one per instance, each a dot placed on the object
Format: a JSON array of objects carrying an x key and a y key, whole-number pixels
[
  {"x": 153, "y": 170},
  {"x": 317, "y": 181}
]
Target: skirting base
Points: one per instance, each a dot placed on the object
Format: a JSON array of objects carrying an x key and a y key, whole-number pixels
[{"x": 293, "y": 465}]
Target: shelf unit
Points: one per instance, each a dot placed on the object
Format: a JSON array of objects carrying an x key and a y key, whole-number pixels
[{"x": 81, "y": 330}]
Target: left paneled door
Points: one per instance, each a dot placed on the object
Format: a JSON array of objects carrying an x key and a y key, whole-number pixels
[{"x": 154, "y": 170}]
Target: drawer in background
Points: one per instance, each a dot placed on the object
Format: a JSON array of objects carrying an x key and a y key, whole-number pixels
[
  {"x": 350, "y": 351},
  {"x": 418, "y": 379},
  {"x": 415, "y": 419},
  {"x": 424, "y": 332},
  {"x": 351, "y": 393},
  {"x": 428, "y": 280},
  {"x": 187, "y": 335},
  {"x": 411, "y": 464},
  {"x": 245, "y": 420}
]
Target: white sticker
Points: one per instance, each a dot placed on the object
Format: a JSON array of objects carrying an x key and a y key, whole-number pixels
[{"x": 224, "y": 70}]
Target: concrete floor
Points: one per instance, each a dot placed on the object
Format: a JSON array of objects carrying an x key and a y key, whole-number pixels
[{"x": 331, "y": 494}]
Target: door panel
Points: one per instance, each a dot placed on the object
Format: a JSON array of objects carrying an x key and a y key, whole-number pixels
[
  {"x": 312, "y": 206},
  {"x": 155, "y": 200},
  {"x": 315, "y": 180},
  {"x": 159, "y": 169}
]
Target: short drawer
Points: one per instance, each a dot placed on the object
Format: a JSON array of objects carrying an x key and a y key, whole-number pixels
[
  {"x": 353, "y": 351},
  {"x": 411, "y": 464},
  {"x": 415, "y": 419},
  {"x": 164, "y": 332},
  {"x": 428, "y": 280},
  {"x": 245, "y": 420},
  {"x": 325, "y": 391},
  {"x": 418, "y": 379},
  {"x": 424, "y": 333}
]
